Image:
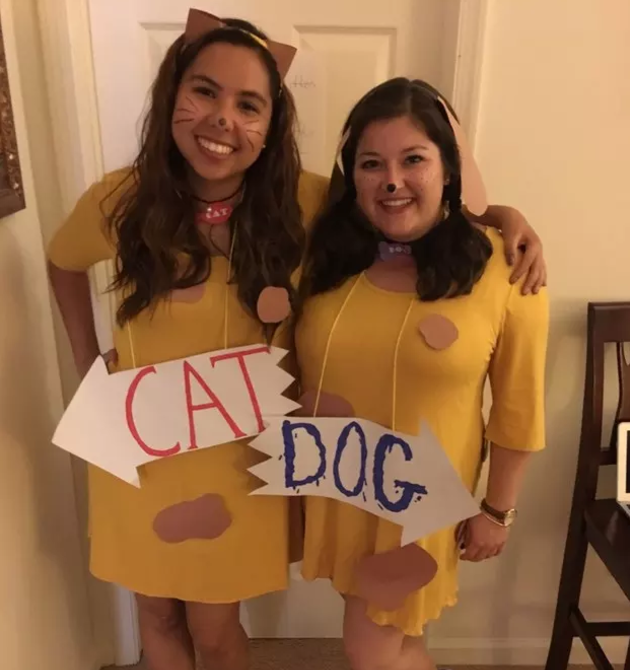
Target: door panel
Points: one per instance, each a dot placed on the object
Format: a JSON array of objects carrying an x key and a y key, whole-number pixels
[{"x": 344, "y": 48}]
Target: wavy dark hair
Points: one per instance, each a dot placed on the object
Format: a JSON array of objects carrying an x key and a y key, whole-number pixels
[
  {"x": 153, "y": 219},
  {"x": 450, "y": 258}
]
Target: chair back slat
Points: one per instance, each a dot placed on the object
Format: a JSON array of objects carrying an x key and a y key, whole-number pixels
[
  {"x": 611, "y": 322},
  {"x": 607, "y": 323},
  {"x": 623, "y": 370}
]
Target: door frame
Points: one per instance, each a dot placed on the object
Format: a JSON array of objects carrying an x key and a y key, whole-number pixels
[{"x": 67, "y": 49}]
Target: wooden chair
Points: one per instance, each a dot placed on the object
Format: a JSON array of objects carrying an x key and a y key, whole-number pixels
[{"x": 599, "y": 523}]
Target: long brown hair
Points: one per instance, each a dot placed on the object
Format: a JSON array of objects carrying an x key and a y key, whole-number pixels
[
  {"x": 159, "y": 246},
  {"x": 450, "y": 258}
]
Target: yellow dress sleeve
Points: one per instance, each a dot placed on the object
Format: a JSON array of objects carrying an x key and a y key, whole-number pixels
[
  {"x": 83, "y": 239},
  {"x": 517, "y": 374}
]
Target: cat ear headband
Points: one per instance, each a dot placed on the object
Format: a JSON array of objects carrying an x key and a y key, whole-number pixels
[
  {"x": 200, "y": 23},
  {"x": 473, "y": 188}
]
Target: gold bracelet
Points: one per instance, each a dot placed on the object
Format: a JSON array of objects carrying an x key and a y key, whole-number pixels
[
  {"x": 496, "y": 522},
  {"x": 503, "y": 519}
]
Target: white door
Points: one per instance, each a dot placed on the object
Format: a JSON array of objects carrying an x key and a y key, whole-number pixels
[{"x": 344, "y": 48}]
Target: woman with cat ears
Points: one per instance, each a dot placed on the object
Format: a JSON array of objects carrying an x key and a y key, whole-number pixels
[
  {"x": 206, "y": 230},
  {"x": 396, "y": 258}
]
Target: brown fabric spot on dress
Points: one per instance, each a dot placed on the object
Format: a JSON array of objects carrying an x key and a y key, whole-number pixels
[
  {"x": 273, "y": 305},
  {"x": 205, "y": 518},
  {"x": 438, "y": 331},
  {"x": 386, "y": 580}
]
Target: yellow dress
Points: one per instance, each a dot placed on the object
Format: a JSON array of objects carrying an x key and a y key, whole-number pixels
[
  {"x": 501, "y": 334},
  {"x": 251, "y": 557}
]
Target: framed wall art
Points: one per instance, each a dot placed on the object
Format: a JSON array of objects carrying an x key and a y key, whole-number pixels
[{"x": 11, "y": 187}]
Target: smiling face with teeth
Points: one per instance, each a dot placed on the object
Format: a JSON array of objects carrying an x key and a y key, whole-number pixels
[
  {"x": 398, "y": 151},
  {"x": 221, "y": 117}
]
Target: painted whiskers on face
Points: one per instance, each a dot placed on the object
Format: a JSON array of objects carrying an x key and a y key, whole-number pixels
[
  {"x": 253, "y": 131},
  {"x": 183, "y": 115}
]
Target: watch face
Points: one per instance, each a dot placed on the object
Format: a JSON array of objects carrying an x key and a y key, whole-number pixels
[
  {"x": 510, "y": 515},
  {"x": 504, "y": 518}
]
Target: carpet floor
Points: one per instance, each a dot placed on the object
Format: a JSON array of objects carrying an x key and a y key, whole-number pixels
[{"x": 313, "y": 654}]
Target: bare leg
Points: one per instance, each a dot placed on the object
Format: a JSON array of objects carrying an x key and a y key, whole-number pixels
[
  {"x": 373, "y": 647},
  {"x": 164, "y": 633},
  {"x": 218, "y": 636}
]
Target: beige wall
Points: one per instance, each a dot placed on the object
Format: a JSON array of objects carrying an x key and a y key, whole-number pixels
[
  {"x": 44, "y": 619},
  {"x": 553, "y": 140}
]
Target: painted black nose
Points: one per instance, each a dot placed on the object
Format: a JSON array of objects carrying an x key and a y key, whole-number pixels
[{"x": 391, "y": 188}]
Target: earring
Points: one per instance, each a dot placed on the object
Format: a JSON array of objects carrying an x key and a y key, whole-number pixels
[{"x": 446, "y": 211}]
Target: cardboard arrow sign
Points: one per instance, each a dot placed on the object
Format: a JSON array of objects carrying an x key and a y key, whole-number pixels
[
  {"x": 123, "y": 420},
  {"x": 403, "y": 478}
]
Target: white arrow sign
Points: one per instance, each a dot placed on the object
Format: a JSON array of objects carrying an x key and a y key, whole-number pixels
[
  {"x": 123, "y": 420},
  {"x": 403, "y": 478}
]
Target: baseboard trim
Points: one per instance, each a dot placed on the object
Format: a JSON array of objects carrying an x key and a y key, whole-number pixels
[{"x": 514, "y": 651}]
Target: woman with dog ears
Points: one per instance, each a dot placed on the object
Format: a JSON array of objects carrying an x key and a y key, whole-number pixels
[{"x": 395, "y": 258}]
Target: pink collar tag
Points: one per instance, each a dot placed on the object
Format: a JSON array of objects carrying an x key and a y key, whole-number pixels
[{"x": 215, "y": 214}]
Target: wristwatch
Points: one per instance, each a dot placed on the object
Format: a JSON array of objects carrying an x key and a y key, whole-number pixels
[{"x": 505, "y": 519}]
